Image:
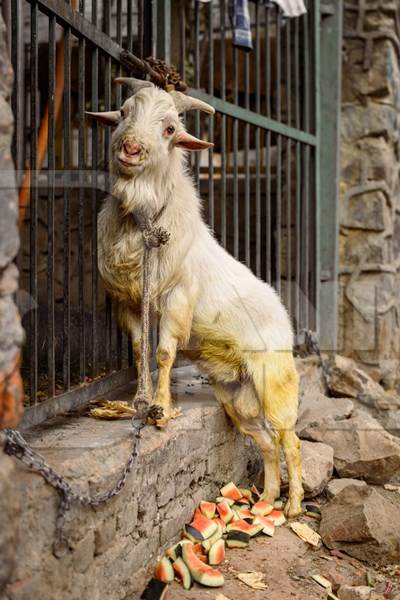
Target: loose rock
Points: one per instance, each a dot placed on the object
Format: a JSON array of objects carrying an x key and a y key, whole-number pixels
[
  {"x": 315, "y": 408},
  {"x": 362, "y": 523},
  {"x": 335, "y": 486},
  {"x": 362, "y": 448},
  {"x": 348, "y": 380},
  {"x": 317, "y": 463},
  {"x": 347, "y": 592}
]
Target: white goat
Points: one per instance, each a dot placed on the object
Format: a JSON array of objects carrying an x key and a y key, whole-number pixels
[{"x": 209, "y": 304}]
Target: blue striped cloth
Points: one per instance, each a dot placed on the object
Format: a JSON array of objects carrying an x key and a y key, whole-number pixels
[{"x": 240, "y": 17}]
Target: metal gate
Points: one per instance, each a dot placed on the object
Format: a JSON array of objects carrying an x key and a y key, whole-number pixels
[{"x": 260, "y": 185}]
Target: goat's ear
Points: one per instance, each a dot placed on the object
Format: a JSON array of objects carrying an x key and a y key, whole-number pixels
[
  {"x": 189, "y": 142},
  {"x": 111, "y": 117}
]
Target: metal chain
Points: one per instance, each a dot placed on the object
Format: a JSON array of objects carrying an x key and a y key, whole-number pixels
[{"x": 18, "y": 447}]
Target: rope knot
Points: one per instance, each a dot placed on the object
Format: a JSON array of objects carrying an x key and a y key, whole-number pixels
[{"x": 154, "y": 237}]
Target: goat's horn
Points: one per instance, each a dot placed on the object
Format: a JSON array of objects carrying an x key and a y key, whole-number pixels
[
  {"x": 133, "y": 84},
  {"x": 184, "y": 103},
  {"x": 111, "y": 117}
]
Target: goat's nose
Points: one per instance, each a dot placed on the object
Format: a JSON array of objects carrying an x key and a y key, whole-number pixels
[{"x": 131, "y": 148}]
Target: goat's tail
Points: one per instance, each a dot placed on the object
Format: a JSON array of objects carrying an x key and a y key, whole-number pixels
[{"x": 276, "y": 382}]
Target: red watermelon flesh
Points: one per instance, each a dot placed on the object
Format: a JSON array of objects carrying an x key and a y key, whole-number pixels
[
  {"x": 183, "y": 573},
  {"x": 225, "y": 512},
  {"x": 208, "y": 509},
  {"x": 252, "y": 529},
  {"x": 206, "y": 527},
  {"x": 231, "y": 491},
  {"x": 216, "y": 556},
  {"x": 269, "y": 526},
  {"x": 164, "y": 571},
  {"x": 244, "y": 513},
  {"x": 201, "y": 572},
  {"x": 262, "y": 508},
  {"x": 277, "y": 517}
]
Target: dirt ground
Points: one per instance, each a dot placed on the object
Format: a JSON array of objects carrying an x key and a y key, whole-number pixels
[{"x": 287, "y": 563}]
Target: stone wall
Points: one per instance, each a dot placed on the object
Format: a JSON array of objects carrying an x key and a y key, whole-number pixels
[
  {"x": 10, "y": 328},
  {"x": 370, "y": 187},
  {"x": 112, "y": 549}
]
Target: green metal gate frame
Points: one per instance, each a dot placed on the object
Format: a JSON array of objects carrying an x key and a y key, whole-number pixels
[{"x": 328, "y": 16}]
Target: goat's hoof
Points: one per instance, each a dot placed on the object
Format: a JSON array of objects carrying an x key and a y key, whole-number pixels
[
  {"x": 171, "y": 414},
  {"x": 155, "y": 413},
  {"x": 293, "y": 508}
]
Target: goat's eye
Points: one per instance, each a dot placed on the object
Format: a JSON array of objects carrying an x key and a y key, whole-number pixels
[{"x": 170, "y": 129}]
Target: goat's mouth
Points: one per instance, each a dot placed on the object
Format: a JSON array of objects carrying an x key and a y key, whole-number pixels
[{"x": 130, "y": 160}]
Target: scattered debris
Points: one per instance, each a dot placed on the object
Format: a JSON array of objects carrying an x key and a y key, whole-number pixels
[
  {"x": 254, "y": 580},
  {"x": 362, "y": 523},
  {"x": 323, "y": 582},
  {"x": 392, "y": 488},
  {"x": 306, "y": 533},
  {"x": 111, "y": 409}
]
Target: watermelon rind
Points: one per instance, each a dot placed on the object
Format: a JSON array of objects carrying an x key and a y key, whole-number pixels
[
  {"x": 225, "y": 512},
  {"x": 231, "y": 491},
  {"x": 182, "y": 570},
  {"x": 237, "y": 539},
  {"x": 155, "y": 590},
  {"x": 216, "y": 554},
  {"x": 208, "y": 509},
  {"x": 164, "y": 571},
  {"x": 251, "y": 529},
  {"x": 220, "y": 499},
  {"x": 215, "y": 537},
  {"x": 201, "y": 572},
  {"x": 204, "y": 526},
  {"x": 262, "y": 508}
]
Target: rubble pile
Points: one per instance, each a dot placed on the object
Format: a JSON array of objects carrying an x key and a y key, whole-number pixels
[{"x": 351, "y": 471}]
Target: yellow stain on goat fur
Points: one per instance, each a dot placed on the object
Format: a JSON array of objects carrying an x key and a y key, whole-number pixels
[{"x": 276, "y": 381}]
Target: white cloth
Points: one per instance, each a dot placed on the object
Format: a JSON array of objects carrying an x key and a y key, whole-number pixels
[{"x": 291, "y": 8}]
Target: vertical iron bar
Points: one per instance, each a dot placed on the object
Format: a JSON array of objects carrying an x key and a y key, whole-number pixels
[
  {"x": 297, "y": 117},
  {"x": 118, "y": 89},
  {"x": 129, "y": 41},
  {"x": 50, "y": 213},
  {"x": 257, "y": 133},
  {"x": 197, "y": 85},
  {"x": 288, "y": 171},
  {"x": 223, "y": 123},
  {"x": 246, "y": 161},
  {"x": 107, "y": 156},
  {"x": 278, "y": 221},
  {"x": 33, "y": 225},
  {"x": 306, "y": 170},
  {"x": 66, "y": 220},
  {"x": 182, "y": 23},
  {"x": 81, "y": 209},
  {"x": 95, "y": 145},
  {"x": 141, "y": 27},
  {"x": 211, "y": 118},
  {"x": 17, "y": 16},
  {"x": 268, "y": 170},
  {"x": 235, "y": 156}
]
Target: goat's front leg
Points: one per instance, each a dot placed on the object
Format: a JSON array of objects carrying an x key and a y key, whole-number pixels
[
  {"x": 175, "y": 325},
  {"x": 129, "y": 321}
]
